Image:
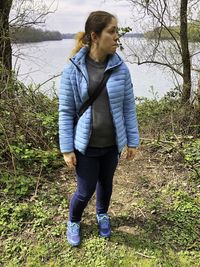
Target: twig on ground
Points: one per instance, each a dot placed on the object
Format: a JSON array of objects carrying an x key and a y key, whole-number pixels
[
  {"x": 146, "y": 256},
  {"x": 141, "y": 212},
  {"x": 37, "y": 185}
]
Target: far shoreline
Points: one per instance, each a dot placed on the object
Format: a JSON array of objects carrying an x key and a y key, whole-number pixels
[{"x": 72, "y": 37}]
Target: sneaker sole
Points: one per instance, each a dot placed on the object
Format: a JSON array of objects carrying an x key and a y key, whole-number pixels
[
  {"x": 105, "y": 235},
  {"x": 72, "y": 243}
]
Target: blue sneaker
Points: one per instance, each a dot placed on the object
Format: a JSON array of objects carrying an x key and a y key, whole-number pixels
[
  {"x": 73, "y": 233},
  {"x": 104, "y": 224}
]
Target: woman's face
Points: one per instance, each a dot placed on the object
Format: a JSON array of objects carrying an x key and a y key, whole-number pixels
[{"x": 107, "y": 42}]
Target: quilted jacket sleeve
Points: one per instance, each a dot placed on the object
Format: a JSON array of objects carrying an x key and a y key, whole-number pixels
[
  {"x": 66, "y": 112},
  {"x": 130, "y": 115}
]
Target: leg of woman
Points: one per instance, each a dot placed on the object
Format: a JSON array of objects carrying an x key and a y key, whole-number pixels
[
  {"x": 87, "y": 171},
  {"x": 108, "y": 164}
]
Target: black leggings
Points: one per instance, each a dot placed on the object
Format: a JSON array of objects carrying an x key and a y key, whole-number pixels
[{"x": 94, "y": 170}]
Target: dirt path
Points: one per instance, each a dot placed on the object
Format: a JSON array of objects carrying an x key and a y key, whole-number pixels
[{"x": 137, "y": 183}]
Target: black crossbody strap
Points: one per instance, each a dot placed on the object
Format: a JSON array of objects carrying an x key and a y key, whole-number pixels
[{"x": 95, "y": 94}]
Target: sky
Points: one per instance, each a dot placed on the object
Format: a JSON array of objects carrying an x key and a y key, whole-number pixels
[{"x": 70, "y": 15}]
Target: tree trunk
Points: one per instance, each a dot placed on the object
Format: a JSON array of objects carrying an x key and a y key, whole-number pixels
[
  {"x": 5, "y": 47},
  {"x": 185, "y": 53},
  {"x": 198, "y": 94}
]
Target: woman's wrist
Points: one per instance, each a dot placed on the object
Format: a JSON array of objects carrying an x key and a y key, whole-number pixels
[{"x": 66, "y": 153}]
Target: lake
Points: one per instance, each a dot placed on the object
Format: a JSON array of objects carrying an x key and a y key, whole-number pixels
[{"x": 39, "y": 62}]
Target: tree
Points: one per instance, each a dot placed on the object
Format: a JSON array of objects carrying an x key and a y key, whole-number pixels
[
  {"x": 5, "y": 45},
  {"x": 15, "y": 14},
  {"x": 185, "y": 54},
  {"x": 169, "y": 19}
]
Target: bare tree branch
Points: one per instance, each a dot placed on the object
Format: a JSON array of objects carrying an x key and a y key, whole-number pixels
[{"x": 160, "y": 63}]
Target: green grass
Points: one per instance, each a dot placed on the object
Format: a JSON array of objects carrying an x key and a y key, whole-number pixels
[{"x": 33, "y": 231}]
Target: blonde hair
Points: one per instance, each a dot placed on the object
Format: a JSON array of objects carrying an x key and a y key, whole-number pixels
[{"x": 79, "y": 43}]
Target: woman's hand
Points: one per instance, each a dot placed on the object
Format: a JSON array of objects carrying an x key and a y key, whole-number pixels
[
  {"x": 131, "y": 152},
  {"x": 70, "y": 159}
]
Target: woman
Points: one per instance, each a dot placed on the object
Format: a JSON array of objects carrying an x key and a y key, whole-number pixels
[{"x": 94, "y": 146}]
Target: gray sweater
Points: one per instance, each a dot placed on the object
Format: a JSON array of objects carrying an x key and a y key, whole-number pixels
[{"x": 103, "y": 131}]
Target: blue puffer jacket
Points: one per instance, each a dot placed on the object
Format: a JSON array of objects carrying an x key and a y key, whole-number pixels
[{"x": 73, "y": 92}]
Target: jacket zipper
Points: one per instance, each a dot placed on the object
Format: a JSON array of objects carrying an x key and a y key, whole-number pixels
[{"x": 116, "y": 138}]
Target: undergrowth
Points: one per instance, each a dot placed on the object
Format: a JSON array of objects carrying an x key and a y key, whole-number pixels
[{"x": 33, "y": 209}]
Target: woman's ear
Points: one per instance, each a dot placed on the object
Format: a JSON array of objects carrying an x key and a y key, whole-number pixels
[{"x": 94, "y": 37}]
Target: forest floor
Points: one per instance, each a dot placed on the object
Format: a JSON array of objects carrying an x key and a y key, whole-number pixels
[{"x": 154, "y": 217}]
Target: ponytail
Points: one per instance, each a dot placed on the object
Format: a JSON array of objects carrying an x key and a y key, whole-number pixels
[{"x": 79, "y": 43}]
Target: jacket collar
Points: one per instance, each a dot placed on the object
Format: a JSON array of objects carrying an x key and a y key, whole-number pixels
[{"x": 79, "y": 58}]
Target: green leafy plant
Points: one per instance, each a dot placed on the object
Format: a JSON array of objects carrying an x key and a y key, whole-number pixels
[
  {"x": 18, "y": 186},
  {"x": 191, "y": 152},
  {"x": 182, "y": 217}
]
